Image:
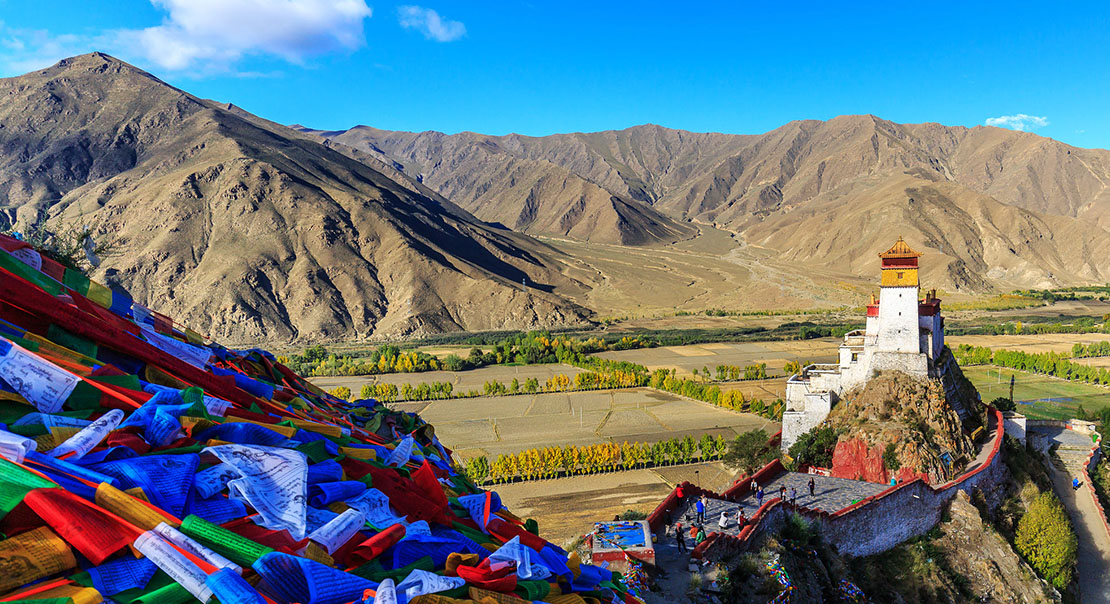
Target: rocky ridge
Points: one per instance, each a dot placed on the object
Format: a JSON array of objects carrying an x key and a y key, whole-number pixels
[
  {"x": 250, "y": 231},
  {"x": 914, "y": 416}
]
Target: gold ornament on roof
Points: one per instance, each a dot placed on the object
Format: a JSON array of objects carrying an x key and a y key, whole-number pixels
[{"x": 900, "y": 249}]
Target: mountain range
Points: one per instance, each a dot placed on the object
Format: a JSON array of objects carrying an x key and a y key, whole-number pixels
[
  {"x": 1001, "y": 209},
  {"x": 253, "y": 231},
  {"x": 248, "y": 230}
]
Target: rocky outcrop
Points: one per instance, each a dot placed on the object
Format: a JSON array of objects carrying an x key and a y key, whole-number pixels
[
  {"x": 975, "y": 551},
  {"x": 910, "y": 417}
]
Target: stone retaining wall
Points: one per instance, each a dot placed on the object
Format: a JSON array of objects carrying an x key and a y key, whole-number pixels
[
  {"x": 1092, "y": 461},
  {"x": 739, "y": 488},
  {"x": 879, "y": 522}
]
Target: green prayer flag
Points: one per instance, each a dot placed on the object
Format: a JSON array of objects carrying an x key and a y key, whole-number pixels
[
  {"x": 232, "y": 546},
  {"x": 15, "y": 483}
]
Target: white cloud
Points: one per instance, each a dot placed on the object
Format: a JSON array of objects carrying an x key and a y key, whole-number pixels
[
  {"x": 429, "y": 23},
  {"x": 1019, "y": 121},
  {"x": 206, "y": 35}
]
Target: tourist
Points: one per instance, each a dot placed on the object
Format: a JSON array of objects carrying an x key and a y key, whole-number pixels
[
  {"x": 679, "y": 493},
  {"x": 759, "y": 497},
  {"x": 700, "y": 507},
  {"x": 740, "y": 519},
  {"x": 794, "y": 497},
  {"x": 811, "y": 485},
  {"x": 755, "y": 485},
  {"x": 693, "y": 531},
  {"x": 1075, "y": 484},
  {"x": 723, "y": 522},
  {"x": 679, "y": 538},
  {"x": 782, "y": 492},
  {"x": 700, "y": 537}
]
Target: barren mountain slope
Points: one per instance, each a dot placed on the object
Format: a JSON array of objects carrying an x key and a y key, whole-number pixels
[
  {"x": 971, "y": 242},
  {"x": 502, "y": 181},
  {"x": 812, "y": 190},
  {"x": 705, "y": 175},
  {"x": 250, "y": 230}
]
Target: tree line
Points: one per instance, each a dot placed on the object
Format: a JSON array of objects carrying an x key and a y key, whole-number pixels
[
  {"x": 1047, "y": 363},
  {"x": 316, "y": 361},
  {"x": 666, "y": 380},
  {"x": 570, "y": 460},
  {"x": 1079, "y": 325},
  {"x": 1094, "y": 349},
  {"x": 532, "y": 348}
]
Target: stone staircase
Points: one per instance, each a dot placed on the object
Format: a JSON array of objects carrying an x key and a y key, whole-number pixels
[{"x": 1072, "y": 448}]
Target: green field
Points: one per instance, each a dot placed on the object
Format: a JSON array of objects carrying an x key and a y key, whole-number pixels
[{"x": 1038, "y": 396}]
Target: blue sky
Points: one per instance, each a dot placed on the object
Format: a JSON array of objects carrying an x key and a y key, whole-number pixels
[{"x": 537, "y": 68}]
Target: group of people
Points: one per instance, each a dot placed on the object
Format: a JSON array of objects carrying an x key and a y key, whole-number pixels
[
  {"x": 793, "y": 501},
  {"x": 697, "y": 529}
]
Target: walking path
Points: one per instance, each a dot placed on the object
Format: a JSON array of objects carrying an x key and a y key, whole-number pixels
[
  {"x": 829, "y": 495},
  {"x": 1094, "y": 542}
]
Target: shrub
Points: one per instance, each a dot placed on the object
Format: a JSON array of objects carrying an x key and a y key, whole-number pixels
[
  {"x": 749, "y": 452},
  {"x": 633, "y": 515},
  {"x": 890, "y": 458},
  {"x": 1045, "y": 538},
  {"x": 1003, "y": 404},
  {"x": 799, "y": 530},
  {"x": 814, "y": 448}
]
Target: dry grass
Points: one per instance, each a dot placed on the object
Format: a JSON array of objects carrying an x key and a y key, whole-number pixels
[{"x": 1055, "y": 342}]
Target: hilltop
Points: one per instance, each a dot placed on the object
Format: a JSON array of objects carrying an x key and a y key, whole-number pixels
[{"x": 248, "y": 230}]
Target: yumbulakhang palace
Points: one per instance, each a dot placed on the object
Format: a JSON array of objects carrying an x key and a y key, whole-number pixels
[{"x": 904, "y": 333}]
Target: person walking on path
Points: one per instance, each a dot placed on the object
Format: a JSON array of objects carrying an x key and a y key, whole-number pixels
[
  {"x": 811, "y": 485},
  {"x": 679, "y": 493},
  {"x": 700, "y": 507},
  {"x": 740, "y": 520},
  {"x": 754, "y": 485},
  {"x": 759, "y": 497},
  {"x": 680, "y": 538},
  {"x": 794, "y": 497},
  {"x": 782, "y": 492}
]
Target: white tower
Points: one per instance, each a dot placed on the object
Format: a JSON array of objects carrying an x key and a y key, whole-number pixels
[{"x": 898, "y": 325}]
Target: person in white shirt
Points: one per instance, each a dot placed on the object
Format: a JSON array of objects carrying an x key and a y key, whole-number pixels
[{"x": 723, "y": 522}]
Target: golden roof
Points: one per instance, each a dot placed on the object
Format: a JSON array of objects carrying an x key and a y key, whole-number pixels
[{"x": 900, "y": 249}]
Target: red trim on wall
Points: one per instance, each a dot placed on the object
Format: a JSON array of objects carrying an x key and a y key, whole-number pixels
[
  {"x": 736, "y": 543},
  {"x": 899, "y": 263}
]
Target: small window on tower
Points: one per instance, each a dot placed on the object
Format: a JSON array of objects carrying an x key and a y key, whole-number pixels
[{"x": 900, "y": 275}]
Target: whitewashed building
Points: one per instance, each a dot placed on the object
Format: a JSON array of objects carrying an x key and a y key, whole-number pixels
[{"x": 904, "y": 332}]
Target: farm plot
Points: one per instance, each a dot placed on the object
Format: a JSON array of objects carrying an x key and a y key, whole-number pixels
[
  {"x": 1031, "y": 343},
  {"x": 509, "y": 424},
  {"x": 1038, "y": 396},
  {"x": 697, "y": 356},
  {"x": 462, "y": 381}
]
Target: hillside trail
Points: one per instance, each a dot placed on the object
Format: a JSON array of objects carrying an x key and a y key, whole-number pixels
[{"x": 1094, "y": 542}]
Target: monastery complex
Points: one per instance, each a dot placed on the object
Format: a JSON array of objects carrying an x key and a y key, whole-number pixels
[{"x": 904, "y": 332}]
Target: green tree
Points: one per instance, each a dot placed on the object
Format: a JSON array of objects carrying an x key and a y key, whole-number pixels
[
  {"x": 814, "y": 448},
  {"x": 749, "y": 451},
  {"x": 1045, "y": 538},
  {"x": 1003, "y": 404},
  {"x": 890, "y": 458}
]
